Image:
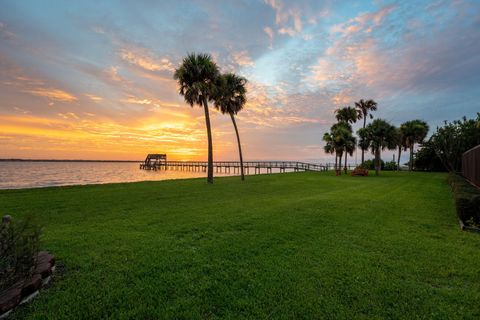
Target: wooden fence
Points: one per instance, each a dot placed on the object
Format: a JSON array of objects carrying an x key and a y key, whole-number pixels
[{"x": 471, "y": 165}]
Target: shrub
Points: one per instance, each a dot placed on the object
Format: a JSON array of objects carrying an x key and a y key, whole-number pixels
[
  {"x": 467, "y": 199},
  {"x": 390, "y": 166},
  {"x": 18, "y": 248},
  {"x": 370, "y": 164}
]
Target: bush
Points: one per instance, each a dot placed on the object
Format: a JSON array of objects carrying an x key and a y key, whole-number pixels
[
  {"x": 467, "y": 200},
  {"x": 390, "y": 166},
  {"x": 18, "y": 249},
  {"x": 370, "y": 164}
]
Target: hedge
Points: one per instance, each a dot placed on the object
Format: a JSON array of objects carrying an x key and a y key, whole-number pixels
[{"x": 467, "y": 200}]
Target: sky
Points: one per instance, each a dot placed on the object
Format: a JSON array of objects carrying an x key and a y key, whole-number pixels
[{"x": 94, "y": 79}]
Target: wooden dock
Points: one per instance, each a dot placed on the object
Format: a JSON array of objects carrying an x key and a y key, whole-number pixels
[{"x": 228, "y": 166}]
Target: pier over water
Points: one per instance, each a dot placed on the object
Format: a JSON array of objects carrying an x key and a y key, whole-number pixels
[{"x": 229, "y": 166}]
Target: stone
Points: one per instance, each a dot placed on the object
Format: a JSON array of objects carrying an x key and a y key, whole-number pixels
[
  {"x": 32, "y": 285},
  {"x": 10, "y": 298},
  {"x": 44, "y": 269},
  {"x": 44, "y": 256}
]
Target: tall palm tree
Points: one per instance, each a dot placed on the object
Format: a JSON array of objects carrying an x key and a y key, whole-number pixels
[
  {"x": 364, "y": 109},
  {"x": 196, "y": 78},
  {"x": 414, "y": 131},
  {"x": 346, "y": 114},
  {"x": 378, "y": 135},
  {"x": 230, "y": 97}
]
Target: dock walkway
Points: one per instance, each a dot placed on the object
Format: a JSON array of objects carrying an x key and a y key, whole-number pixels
[{"x": 226, "y": 166}]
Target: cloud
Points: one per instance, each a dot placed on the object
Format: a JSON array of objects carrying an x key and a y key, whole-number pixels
[
  {"x": 93, "y": 97},
  {"x": 288, "y": 18},
  {"x": 68, "y": 115},
  {"x": 242, "y": 59},
  {"x": 54, "y": 94},
  {"x": 143, "y": 59},
  {"x": 363, "y": 22},
  {"x": 269, "y": 32}
]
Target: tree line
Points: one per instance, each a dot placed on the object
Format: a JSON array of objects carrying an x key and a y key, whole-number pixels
[
  {"x": 375, "y": 136},
  {"x": 444, "y": 149}
]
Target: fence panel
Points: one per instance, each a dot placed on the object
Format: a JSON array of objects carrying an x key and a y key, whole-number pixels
[{"x": 471, "y": 165}]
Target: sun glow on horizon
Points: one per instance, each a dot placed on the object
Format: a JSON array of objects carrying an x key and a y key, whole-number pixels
[{"x": 90, "y": 81}]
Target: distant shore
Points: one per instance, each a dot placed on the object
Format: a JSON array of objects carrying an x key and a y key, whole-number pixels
[{"x": 67, "y": 160}]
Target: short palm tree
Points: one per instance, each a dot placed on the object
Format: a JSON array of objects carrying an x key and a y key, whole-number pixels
[
  {"x": 350, "y": 144},
  {"x": 413, "y": 131},
  {"x": 230, "y": 97},
  {"x": 342, "y": 136},
  {"x": 378, "y": 135},
  {"x": 364, "y": 108},
  {"x": 330, "y": 145},
  {"x": 196, "y": 78}
]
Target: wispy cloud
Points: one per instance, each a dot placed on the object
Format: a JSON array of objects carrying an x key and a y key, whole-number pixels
[
  {"x": 144, "y": 59},
  {"x": 93, "y": 97}
]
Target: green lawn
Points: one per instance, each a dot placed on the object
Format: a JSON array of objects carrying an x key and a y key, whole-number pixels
[{"x": 304, "y": 245}]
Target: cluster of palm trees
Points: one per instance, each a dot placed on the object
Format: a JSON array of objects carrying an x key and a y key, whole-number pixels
[
  {"x": 376, "y": 136},
  {"x": 200, "y": 82},
  {"x": 340, "y": 140}
]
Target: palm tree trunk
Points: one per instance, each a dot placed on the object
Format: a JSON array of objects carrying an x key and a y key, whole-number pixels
[
  {"x": 364, "y": 124},
  {"x": 410, "y": 163},
  {"x": 210, "y": 147},
  {"x": 336, "y": 163},
  {"x": 239, "y": 145},
  {"x": 377, "y": 161},
  {"x": 340, "y": 164},
  {"x": 398, "y": 159},
  {"x": 345, "y": 168}
]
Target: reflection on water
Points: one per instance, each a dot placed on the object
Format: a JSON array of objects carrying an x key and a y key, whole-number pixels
[{"x": 33, "y": 174}]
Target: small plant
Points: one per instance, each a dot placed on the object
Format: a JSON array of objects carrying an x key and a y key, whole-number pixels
[{"x": 19, "y": 240}]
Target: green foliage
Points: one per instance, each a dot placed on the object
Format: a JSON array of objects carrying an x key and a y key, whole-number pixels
[
  {"x": 303, "y": 245},
  {"x": 196, "y": 78},
  {"x": 370, "y": 164},
  {"x": 390, "y": 166},
  {"x": 426, "y": 158},
  {"x": 377, "y": 136},
  {"x": 365, "y": 108},
  {"x": 453, "y": 139},
  {"x": 467, "y": 199},
  {"x": 411, "y": 132},
  {"x": 347, "y": 115},
  {"x": 19, "y": 241},
  {"x": 230, "y": 97},
  {"x": 230, "y": 93}
]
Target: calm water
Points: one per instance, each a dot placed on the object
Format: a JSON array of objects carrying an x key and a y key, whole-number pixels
[{"x": 25, "y": 174}]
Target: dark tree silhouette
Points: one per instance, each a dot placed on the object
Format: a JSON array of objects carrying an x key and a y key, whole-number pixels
[
  {"x": 230, "y": 98},
  {"x": 196, "y": 78}
]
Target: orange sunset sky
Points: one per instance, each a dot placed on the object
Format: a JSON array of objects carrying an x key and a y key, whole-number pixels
[{"x": 93, "y": 80}]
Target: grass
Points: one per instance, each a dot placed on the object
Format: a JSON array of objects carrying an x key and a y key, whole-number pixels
[{"x": 304, "y": 245}]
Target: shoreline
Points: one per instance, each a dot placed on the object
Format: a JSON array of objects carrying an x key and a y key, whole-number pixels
[
  {"x": 65, "y": 160},
  {"x": 128, "y": 182}
]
